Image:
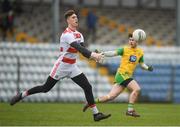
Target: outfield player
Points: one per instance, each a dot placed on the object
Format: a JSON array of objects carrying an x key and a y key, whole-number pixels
[
  {"x": 131, "y": 57},
  {"x": 71, "y": 41}
]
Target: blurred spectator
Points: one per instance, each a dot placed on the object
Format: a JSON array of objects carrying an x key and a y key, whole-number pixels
[
  {"x": 91, "y": 25},
  {"x": 7, "y": 19},
  {"x": 17, "y": 7},
  {"x": 6, "y": 6}
]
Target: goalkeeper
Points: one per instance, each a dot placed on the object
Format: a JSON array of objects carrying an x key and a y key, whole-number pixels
[{"x": 131, "y": 57}]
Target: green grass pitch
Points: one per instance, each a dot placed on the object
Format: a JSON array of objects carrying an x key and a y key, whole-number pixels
[{"x": 70, "y": 114}]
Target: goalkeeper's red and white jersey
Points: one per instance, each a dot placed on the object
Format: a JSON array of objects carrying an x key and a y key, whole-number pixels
[
  {"x": 65, "y": 65},
  {"x": 67, "y": 37}
]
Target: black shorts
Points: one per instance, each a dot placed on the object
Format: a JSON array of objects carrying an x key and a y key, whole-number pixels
[{"x": 126, "y": 82}]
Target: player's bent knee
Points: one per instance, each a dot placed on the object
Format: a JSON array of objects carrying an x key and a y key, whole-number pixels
[
  {"x": 88, "y": 87},
  {"x": 137, "y": 91},
  {"x": 45, "y": 90}
]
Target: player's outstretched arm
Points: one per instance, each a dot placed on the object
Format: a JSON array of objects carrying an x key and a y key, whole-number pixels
[
  {"x": 110, "y": 53},
  {"x": 107, "y": 53},
  {"x": 86, "y": 53},
  {"x": 146, "y": 67}
]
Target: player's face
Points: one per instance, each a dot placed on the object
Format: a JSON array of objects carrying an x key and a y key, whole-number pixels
[
  {"x": 73, "y": 20},
  {"x": 132, "y": 43}
]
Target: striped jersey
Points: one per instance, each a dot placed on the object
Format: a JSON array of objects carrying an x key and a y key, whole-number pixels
[{"x": 67, "y": 37}]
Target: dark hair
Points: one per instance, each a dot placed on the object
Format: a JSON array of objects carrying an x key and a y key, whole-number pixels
[
  {"x": 68, "y": 13},
  {"x": 130, "y": 35}
]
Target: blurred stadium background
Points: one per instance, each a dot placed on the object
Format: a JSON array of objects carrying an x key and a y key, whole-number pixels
[{"x": 30, "y": 46}]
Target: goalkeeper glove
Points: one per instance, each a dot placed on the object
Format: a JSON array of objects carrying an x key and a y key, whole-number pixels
[
  {"x": 150, "y": 68},
  {"x": 101, "y": 61},
  {"x": 97, "y": 51}
]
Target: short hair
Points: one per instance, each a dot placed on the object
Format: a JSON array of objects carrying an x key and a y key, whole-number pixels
[
  {"x": 69, "y": 13},
  {"x": 130, "y": 35}
]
